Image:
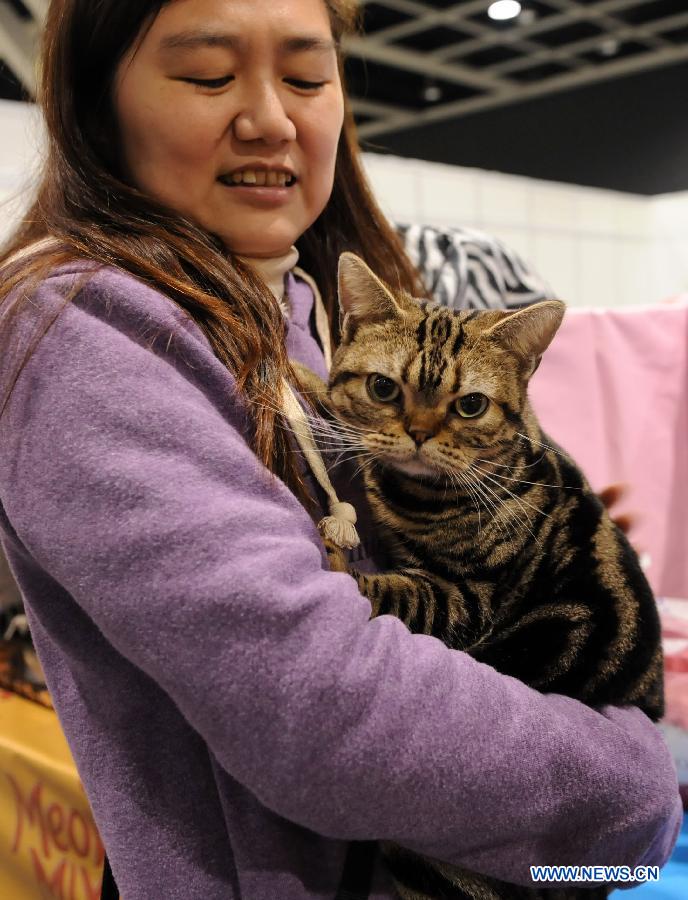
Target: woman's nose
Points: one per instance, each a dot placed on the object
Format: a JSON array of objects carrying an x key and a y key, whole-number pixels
[{"x": 263, "y": 117}]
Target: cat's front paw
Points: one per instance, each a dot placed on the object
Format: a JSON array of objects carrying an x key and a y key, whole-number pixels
[{"x": 336, "y": 556}]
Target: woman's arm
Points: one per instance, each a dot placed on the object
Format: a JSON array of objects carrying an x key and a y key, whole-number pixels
[{"x": 125, "y": 476}]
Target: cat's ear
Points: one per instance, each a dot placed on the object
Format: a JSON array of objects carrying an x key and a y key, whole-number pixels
[
  {"x": 529, "y": 331},
  {"x": 362, "y": 296}
]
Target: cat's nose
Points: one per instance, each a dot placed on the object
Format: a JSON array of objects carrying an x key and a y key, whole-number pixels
[{"x": 419, "y": 435}]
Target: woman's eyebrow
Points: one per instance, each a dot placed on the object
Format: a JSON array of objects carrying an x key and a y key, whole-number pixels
[
  {"x": 191, "y": 40},
  {"x": 305, "y": 43}
]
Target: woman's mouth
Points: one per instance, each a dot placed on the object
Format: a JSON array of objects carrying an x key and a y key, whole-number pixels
[{"x": 257, "y": 178}]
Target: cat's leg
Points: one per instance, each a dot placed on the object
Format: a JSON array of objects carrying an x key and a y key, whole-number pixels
[
  {"x": 310, "y": 384},
  {"x": 336, "y": 557},
  {"x": 425, "y": 603}
]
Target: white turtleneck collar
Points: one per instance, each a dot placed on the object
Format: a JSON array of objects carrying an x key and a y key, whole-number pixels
[{"x": 273, "y": 271}]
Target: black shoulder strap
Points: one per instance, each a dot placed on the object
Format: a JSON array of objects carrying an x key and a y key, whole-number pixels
[
  {"x": 109, "y": 889},
  {"x": 358, "y": 871},
  {"x": 355, "y": 884}
]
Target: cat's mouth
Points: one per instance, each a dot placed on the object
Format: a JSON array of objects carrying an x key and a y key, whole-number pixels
[
  {"x": 424, "y": 462},
  {"x": 416, "y": 464}
]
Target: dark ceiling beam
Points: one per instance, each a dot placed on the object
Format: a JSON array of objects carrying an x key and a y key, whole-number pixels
[
  {"x": 423, "y": 63},
  {"x": 37, "y": 8},
  {"x": 375, "y": 109},
  {"x": 518, "y": 93},
  {"x": 624, "y": 33},
  {"x": 17, "y": 46}
]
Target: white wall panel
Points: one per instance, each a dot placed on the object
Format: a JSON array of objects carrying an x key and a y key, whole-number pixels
[{"x": 596, "y": 248}]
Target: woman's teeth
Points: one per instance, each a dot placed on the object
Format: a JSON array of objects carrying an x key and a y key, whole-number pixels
[{"x": 260, "y": 178}]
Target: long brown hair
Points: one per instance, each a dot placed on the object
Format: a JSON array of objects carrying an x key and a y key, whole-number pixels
[{"x": 85, "y": 202}]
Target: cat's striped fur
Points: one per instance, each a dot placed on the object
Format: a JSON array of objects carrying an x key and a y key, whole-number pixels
[{"x": 496, "y": 543}]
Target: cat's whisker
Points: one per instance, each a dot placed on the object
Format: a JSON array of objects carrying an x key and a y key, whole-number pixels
[
  {"x": 466, "y": 479},
  {"x": 500, "y": 501},
  {"x": 319, "y": 423},
  {"x": 493, "y": 508},
  {"x": 449, "y": 475},
  {"x": 495, "y": 513},
  {"x": 513, "y": 468},
  {"x": 363, "y": 464},
  {"x": 354, "y": 429},
  {"x": 461, "y": 488},
  {"x": 351, "y": 456},
  {"x": 339, "y": 424},
  {"x": 450, "y": 480},
  {"x": 520, "y": 500},
  {"x": 368, "y": 457},
  {"x": 325, "y": 430},
  {"x": 511, "y": 494},
  {"x": 522, "y": 481},
  {"x": 499, "y": 517},
  {"x": 456, "y": 476},
  {"x": 525, "y": 522},
  {"x": 540, "y": 444},
  {"x": 343, "y": 455},
  {"x": 334, "y": 443}
]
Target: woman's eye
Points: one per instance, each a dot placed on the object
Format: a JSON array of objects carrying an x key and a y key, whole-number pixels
[
  {"x": 382, "y": 389},
  {"x": 304, "y": 85},
  {"x": 471, "y": 406},
  {"x": 210, "y": 82}
]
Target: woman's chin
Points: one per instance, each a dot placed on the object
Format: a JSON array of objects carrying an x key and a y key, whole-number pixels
[{"x": 258, "y": 250}]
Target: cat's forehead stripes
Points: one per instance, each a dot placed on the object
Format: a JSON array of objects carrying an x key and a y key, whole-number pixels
[{"x": 439, "y": 338}]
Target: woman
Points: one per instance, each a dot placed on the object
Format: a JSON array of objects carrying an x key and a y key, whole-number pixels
[{"x": 235, "y": 717}]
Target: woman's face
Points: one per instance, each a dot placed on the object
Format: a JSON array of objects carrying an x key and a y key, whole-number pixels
[{"x": 230, "y": 112}]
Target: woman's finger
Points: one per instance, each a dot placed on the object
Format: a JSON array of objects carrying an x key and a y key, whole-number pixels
[{"x": 611, "y": 495}]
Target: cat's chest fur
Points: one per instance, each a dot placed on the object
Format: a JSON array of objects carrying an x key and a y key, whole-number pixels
[{"x": 507, "y": 558}]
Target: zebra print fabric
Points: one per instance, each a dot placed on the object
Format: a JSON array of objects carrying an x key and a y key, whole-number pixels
[{"x": 466, "y": 269}]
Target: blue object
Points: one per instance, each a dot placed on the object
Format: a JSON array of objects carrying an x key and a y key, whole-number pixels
[{"x": 673, "y": 878}]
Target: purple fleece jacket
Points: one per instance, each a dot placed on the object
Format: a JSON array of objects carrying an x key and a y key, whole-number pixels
[{"x": 235, "y": 716}]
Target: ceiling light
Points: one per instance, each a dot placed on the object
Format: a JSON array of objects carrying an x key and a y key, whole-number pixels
[
  {"x": 502, "y": 10},
  {"x": 432, "y": 93},
  {"x": 610, "y": 47}
]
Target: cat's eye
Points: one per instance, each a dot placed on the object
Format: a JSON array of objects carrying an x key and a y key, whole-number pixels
[
  {"x": 471, "y": 406},
  {"x": 382, "y": 389}
]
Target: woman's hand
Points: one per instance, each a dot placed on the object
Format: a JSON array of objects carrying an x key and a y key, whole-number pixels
[{"x": 611, "y": 496}]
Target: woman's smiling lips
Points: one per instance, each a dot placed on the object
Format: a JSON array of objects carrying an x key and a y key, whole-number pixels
[{"x": 267, "y": 185}]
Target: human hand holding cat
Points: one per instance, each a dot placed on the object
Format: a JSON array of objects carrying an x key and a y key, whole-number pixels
[{"x": 610, "y": 496}]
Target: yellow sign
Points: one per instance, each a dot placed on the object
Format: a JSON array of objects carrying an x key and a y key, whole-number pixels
[{"x": 49, "y": 845}]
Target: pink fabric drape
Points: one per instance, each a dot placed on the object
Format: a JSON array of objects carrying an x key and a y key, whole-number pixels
[{"x": 613, "y": 390}]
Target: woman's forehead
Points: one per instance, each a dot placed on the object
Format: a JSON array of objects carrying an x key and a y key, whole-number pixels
[
  {"x": 297, "y": 24},
  {"x": 186, "y": 27}
]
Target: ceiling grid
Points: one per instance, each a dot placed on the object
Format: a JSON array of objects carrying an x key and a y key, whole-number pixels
[{"x": 447, "y": 59}]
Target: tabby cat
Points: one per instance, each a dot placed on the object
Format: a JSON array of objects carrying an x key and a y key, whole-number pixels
[{"x": 497, "y": 543}]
